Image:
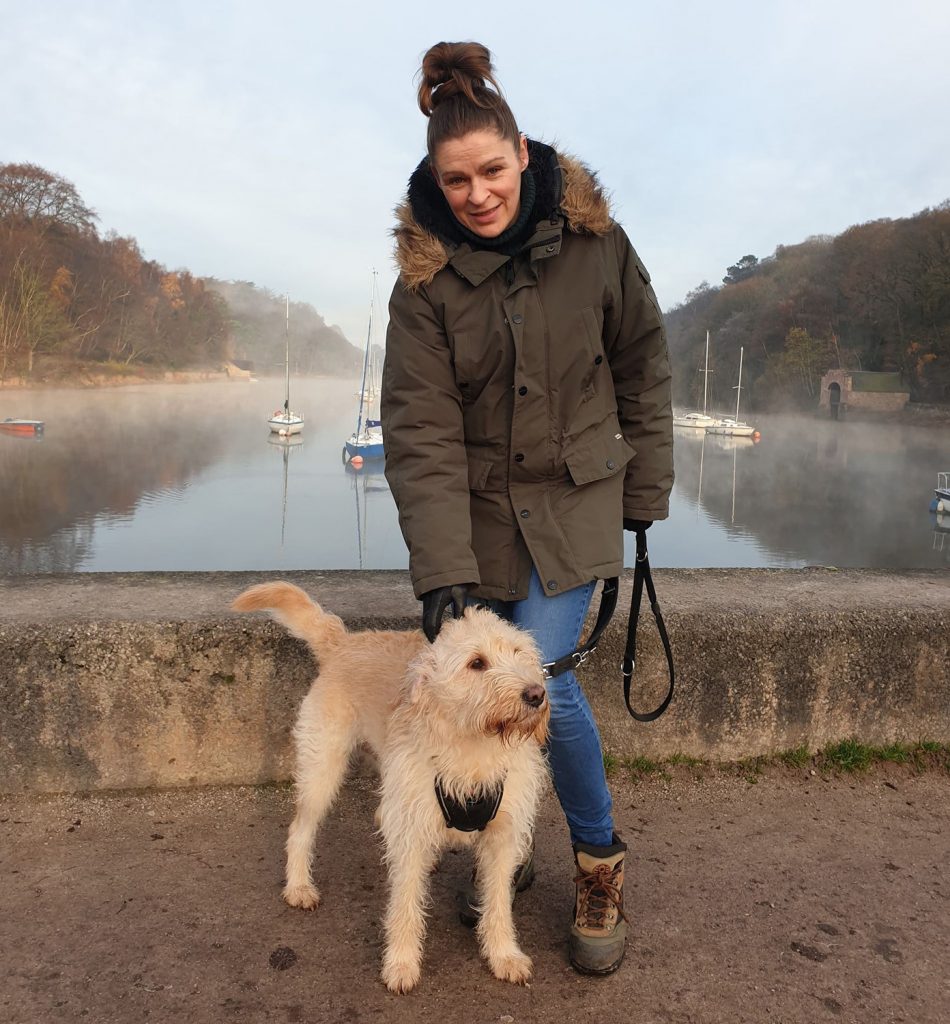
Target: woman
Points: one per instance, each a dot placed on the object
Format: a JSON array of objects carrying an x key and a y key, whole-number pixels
[{"x": 526, "y": 416}]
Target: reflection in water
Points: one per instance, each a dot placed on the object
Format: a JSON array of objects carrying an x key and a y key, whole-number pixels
[
  {"x": 95, "y": 464},
  {"x": 818, "y": 492},
  {"x": 175, "y": 477},
  {"x": 366, "y": 481},
  {"x": 287, "y": 443}
]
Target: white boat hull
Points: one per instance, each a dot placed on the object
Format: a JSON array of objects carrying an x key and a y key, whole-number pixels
[
  {"x": 695, "y": 421},
  {"x": 732, "y": 430},
  {"x": 285, "y": 425}
]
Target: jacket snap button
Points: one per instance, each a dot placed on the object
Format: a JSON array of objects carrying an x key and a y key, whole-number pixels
[
  {"x": 551, "y": 248},
  {"x": 522, "y": 390},
  {"x": 525, "y": 513},
  {"x": 598, "y": 360},
  {"x": 611, "y": 464},
  {"x": 517, "y": 318},
  {"x": 519, "y": 457},
  {"x": 552, "y": 584},
  {"x": 512, "y": 590}
]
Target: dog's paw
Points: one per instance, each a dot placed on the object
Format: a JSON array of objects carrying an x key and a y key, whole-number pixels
[
  {"x": 400, "y": 975},
  {"x": 515, "y": 967},
  {"x": 304, "y": 896}
]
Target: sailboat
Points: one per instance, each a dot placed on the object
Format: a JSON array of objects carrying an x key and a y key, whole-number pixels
[
  {"x": 699, "y": 420},
  {"x": 284, "y": 422},
  {"x": 734, "y": 427},
  {"x": 366, "y": 442}
]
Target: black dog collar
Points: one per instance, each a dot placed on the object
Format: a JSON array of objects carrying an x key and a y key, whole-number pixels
[{"x": 470, "y": 815}]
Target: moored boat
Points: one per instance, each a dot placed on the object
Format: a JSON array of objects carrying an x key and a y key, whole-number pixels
[
  {"x": 25, "y": 428},
  {"x": 732, "y": 426},
  {"x": 284, "y": 422},
  {"x": 698, "y": 420},
  {"x": 366, "y": 442},
  {"x": 941, "y": 500}
]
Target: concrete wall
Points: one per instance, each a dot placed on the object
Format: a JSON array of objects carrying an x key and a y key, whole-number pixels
[{"x": 114, "y": 681}]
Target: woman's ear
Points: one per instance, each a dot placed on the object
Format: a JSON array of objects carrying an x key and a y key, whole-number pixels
[{"x": 523, "y": 152}]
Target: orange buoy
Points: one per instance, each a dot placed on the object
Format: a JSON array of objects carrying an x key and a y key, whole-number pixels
[
  {"x": 357, "y": 461},
  {"x": 756, "y": 436}
]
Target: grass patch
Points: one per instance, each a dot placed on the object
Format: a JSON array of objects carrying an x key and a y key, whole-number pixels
[
  {"x": 686, "y": 760},
  {"x": 847, "y": 756},
  {"x": 800, "y": 757},
  {"x": 852, "y": 756}
]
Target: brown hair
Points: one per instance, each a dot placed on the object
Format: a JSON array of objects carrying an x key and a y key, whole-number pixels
[{"x": 459, "y": 94}]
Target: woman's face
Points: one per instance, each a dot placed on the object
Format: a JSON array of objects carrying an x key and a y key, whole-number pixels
[{"x": 480, "y": 176}]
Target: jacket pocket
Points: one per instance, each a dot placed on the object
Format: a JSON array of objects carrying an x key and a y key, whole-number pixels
[
  {"x": 478, "y": 472},
  {"x": 486, "y": 474},
  {"x": 599, "y": 454}
]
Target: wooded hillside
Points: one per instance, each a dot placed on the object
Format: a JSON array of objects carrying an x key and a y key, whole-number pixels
[
  {"x": 876, "y": 297},
  {"x": 75, "y": 298}
]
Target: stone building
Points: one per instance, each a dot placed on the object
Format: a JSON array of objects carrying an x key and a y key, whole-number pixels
[{"x": 845, "y": 391}]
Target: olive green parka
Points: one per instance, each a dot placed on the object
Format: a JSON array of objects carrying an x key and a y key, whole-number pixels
[{"x": 526, "y": 399}]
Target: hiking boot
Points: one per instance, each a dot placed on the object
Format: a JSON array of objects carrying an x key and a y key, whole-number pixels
[
  {"x": 468, "y": 897},
  {"x": 599, "y": 930}
]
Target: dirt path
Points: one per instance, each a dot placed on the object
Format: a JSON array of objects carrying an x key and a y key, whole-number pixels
[{"x": 797, "y": 898}]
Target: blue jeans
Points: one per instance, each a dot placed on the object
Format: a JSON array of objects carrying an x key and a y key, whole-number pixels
[{"x": 574, "y": 751}]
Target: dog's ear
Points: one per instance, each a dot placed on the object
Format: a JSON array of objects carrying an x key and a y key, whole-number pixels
[{"x": 419, "y": 674}]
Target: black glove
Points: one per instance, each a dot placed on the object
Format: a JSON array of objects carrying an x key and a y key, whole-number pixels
[
  {"x": 436, "y": 601},
  {"x": 636, "y": 525}
]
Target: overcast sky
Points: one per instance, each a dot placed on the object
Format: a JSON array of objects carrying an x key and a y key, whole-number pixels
[{"x": 270, "y": 141}]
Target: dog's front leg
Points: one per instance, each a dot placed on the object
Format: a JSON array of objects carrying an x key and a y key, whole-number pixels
[
  {"x": 410, "y": 859},
  {"x": 496, "y": 854}
]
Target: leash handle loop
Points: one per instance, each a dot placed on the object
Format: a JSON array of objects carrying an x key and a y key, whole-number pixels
[{"x": 643, "y": 577}]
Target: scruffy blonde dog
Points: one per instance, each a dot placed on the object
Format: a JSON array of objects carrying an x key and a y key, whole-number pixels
[{"x": 468, "y": 711}]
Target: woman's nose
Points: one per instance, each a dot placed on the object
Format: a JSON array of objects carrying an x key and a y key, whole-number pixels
[{"x": 479, "y": 193}]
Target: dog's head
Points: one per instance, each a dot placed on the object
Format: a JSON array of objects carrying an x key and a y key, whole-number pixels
[{"x": 484, "y": 676}]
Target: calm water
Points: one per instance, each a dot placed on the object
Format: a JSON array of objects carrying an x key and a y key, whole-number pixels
[{"x": 187, "y": 477}]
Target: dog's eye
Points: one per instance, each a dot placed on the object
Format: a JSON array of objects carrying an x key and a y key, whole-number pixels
[{"x": 477, "y": 665}]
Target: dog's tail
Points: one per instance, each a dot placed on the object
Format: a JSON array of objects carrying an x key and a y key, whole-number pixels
[{"x": 293, "y": 608}]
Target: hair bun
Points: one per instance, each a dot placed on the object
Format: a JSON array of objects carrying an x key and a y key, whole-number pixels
[{"x": 452, "y": 69}]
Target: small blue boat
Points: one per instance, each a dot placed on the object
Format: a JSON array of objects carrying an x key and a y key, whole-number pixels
[
  {"x": 941, "y": 501},
  {"x": 367, "y": 440}
]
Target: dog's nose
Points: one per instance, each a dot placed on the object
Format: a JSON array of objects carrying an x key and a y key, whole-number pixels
[{"x": 533, "y": 695}]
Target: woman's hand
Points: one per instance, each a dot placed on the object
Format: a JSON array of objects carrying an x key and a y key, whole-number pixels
[
  {"x": 435, "y": 602},
  {"x": 636, "y": 525}
]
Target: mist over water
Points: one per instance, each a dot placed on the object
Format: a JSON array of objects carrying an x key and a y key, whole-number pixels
[{"x": 188, "y": 477}]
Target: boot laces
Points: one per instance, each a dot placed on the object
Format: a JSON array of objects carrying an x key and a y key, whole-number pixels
[{"x": 599, "y": 891}]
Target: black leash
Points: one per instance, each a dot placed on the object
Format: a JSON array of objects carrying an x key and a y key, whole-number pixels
[
  {"x": 608, "y": 602},
  {"x": 641, "y": 576}
]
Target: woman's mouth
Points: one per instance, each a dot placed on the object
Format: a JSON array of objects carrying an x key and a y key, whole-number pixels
[{"x": 485, "y": 215}]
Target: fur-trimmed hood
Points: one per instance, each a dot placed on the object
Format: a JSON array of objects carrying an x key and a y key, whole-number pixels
[{"x": 568, "y": 194}]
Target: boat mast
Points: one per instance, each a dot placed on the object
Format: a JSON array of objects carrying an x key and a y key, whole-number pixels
[
  {"x": 369, "y": 335},
  {"x": 287, "y": 357},
  {"x": 706, "y": 374},
  {"x": 739, "y": 385}
]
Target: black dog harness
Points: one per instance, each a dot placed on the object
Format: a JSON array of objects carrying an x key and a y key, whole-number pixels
[{"x": 471, "y": 815}]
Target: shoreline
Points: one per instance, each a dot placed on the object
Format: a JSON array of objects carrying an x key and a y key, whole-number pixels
[
  {"x": 83, "y": 382},
  {"x": 914, "y": 414},
  {"x": 95, "y": 382}
]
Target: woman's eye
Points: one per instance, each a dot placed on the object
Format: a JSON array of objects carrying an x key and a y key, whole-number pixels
[
  {"x": 494, "y": 170},
  {"x": 477, "y": 665}
]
